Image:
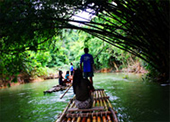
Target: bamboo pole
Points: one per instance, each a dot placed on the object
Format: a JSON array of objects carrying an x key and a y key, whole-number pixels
[
  {"x": 98, "y": 103},
  {"x": 104, "y": 118},
  {"x": 111, "y": 108},
  {"x": 105, "y": 105},
  {"x": 66, "y": 91},
  {"x": 101, "y": 102},
  {"x": 98, "y": 119},
  {"x": 89, "y": 114},
  {"x": 63, "y": 113},
  {"x": 72, "y": 105},
  {"x": 94, "y": 102},
  {"x": 73, "y": 120},
  {"x": 97, "y": 96},
  {"x": 84, "y": 119},
  {"x": 94, "y": 118},
  {"x": 78, "y": 119},
  {"x": 88, "y": 119},
  {"x": 114, "y": 115},
  {"x": 104, "y": 100},
  {"x": 101, "y": 93},
  {"x": 69, "y": 120},
  {"x": 108, "y": 118}
]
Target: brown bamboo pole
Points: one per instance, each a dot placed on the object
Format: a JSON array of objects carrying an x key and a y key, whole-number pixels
[
  {"x": 63, "y": 113},
  {"x": 101, "y": 93},
  {"x": 98, "y": 103},
  {"x": 66, "y": 91},
  {"x": 111, "y": 108},
  {"x": 85, "y": 114},
  {"x": 114, "y": 115},
  {"x": 78, "y": 119},
  {"x": 88, "y": 119},
  {"x": 71, "y": 106},
  {"x": 104, "y": 100},
  {"x": 84, "y": 119},
  {"x": 105, "y": 105},
  {"x": 104, "y": 118},
  {"x": 94, "y": 119},
  {"x": 108, "y": 118},
  {"x": 97, "y": 96},
  {"x": 69, "y": 120},
  {"x": 101, "y": 102},
  {"x": 73, "y": 120},
  {"x": 109, "y": 104},
  {"x": 98, "y": 119},
  {"x": 94, "y": 103}
]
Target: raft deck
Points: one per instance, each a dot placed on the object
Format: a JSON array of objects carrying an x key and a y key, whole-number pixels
[
  {"x": 101, "y": 111},
  {"x": 56, "y": 88}
]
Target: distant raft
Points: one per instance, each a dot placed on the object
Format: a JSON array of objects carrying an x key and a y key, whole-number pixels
[
  {"x": 56, "y": 88},
  {"x": 101, "y": 111}
]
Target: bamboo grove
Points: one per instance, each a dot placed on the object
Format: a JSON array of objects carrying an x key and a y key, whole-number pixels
[{"x": 138, "y": 27}]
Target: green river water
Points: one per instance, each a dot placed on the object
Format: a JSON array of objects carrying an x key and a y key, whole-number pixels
[{"x": 133, "y": 99}]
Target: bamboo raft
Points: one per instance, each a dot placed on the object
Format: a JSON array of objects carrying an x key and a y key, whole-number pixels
[
  {"x": 101, "y": 111},
  {"x": 56, "y": 88}
]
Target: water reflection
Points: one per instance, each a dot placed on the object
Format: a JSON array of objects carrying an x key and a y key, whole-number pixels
[{"x": 133, "y": 99}]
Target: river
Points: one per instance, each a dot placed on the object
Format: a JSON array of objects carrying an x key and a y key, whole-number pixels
[{"x": 134, "y": 99}]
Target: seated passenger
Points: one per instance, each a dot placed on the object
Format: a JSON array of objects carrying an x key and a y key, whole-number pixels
[
  {"x": 60, "y": 78},
  {"x": 82, "y": 88},
  {"x": 67, "y": 78}
]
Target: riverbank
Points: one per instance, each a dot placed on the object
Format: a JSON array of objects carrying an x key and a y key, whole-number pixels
[{"x": 23, "y": 78}]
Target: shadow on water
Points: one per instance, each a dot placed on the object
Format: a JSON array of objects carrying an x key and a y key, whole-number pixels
[{"x": 133, "y": 99}]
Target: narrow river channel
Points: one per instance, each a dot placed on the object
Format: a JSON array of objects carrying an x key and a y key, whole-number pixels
[{"x": 134, "y": 100}]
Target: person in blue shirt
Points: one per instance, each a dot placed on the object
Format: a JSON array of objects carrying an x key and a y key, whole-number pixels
[
  {"x": 87, "y": 61},
  {"x": 67, "y": 78},
  {"x": 71, "y": 69}
]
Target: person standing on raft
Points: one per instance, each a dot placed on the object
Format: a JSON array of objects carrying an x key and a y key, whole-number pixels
[{"x": 87, "y": 61}]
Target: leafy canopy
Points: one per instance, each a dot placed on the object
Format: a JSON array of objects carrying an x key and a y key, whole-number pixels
[{"x": 138, "y": 27}]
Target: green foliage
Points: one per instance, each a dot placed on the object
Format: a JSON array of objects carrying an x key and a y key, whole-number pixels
[{"x": 137, "y": 27}]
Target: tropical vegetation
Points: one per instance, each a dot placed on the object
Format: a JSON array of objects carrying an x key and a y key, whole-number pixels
[{"x": 38, "y": 34}]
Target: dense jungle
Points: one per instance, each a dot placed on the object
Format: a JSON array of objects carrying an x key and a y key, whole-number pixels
[{"x": 37, "y": 37}]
